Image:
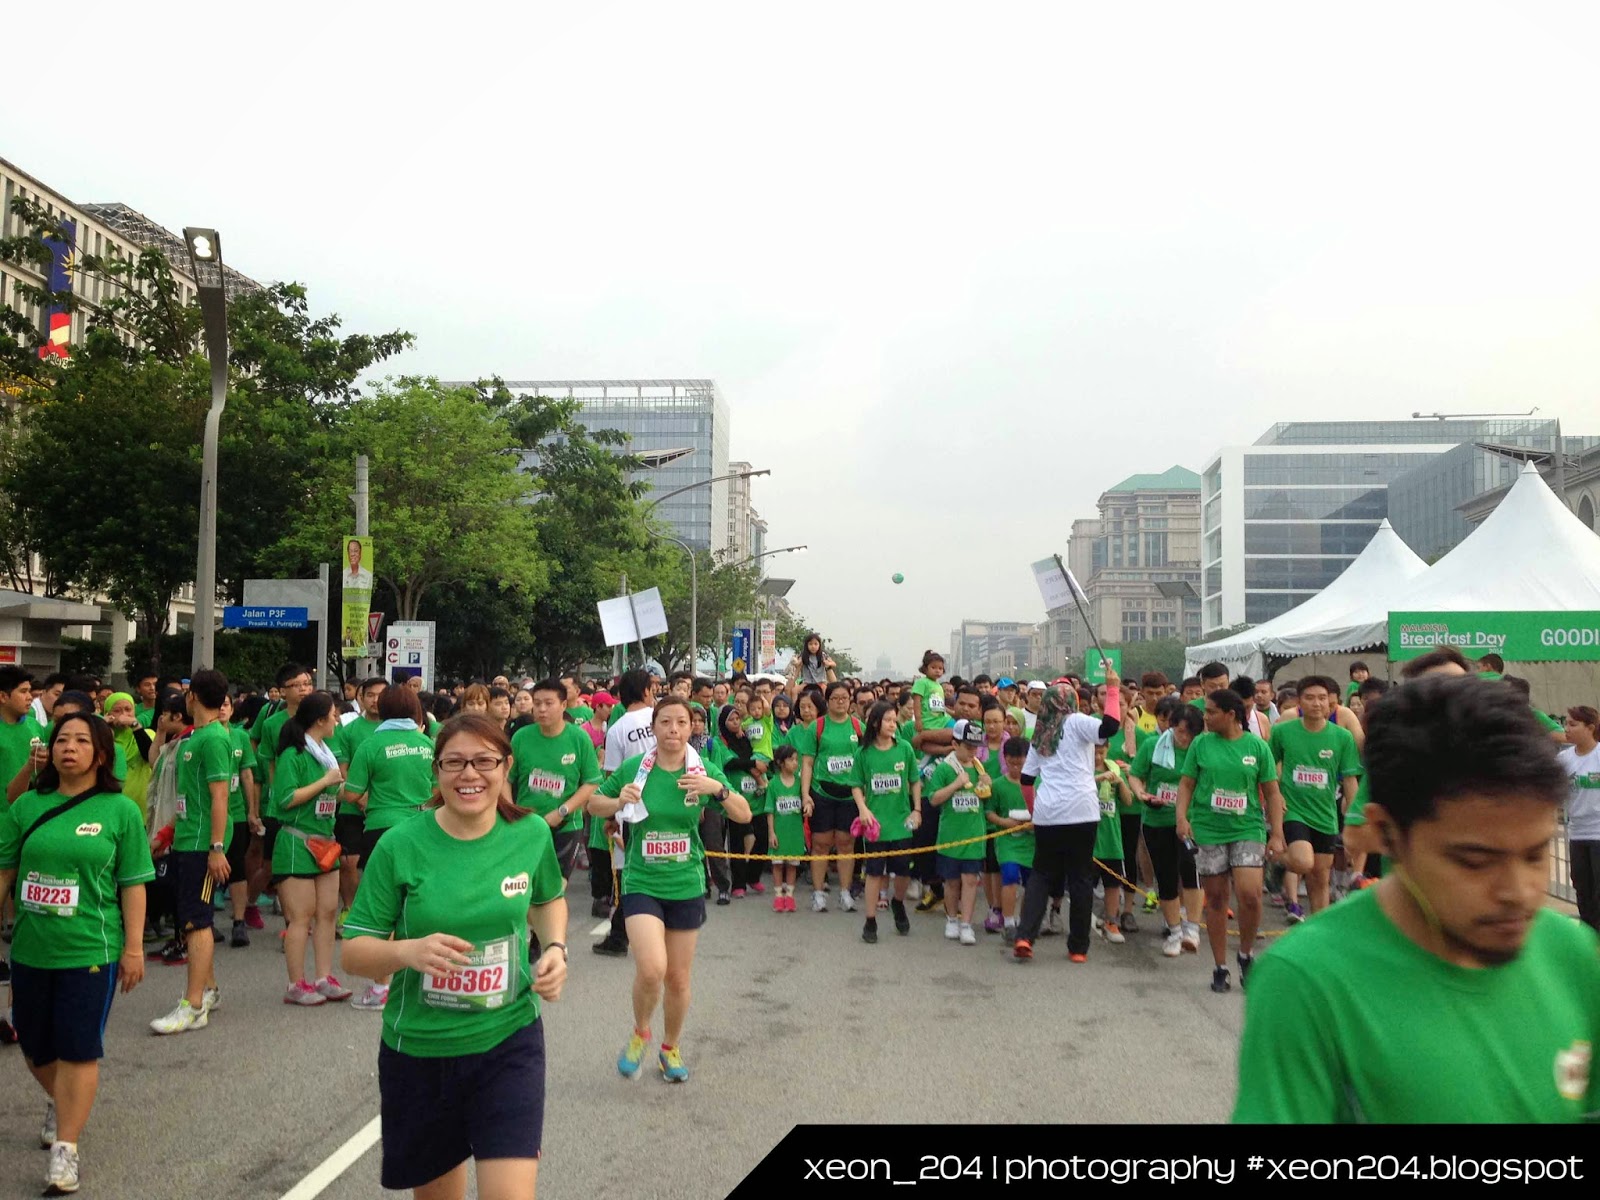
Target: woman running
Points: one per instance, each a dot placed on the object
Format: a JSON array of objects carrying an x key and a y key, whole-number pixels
[
  {"x": 888, "y": 793},
  {"x": 660, "y": 794},
  {"x": 827, "y": 749},
  {"x": 1155, "y": 777},
  {"x": 391, "y": 779},
  {"x": 306, "y": 789},
  {"x": 79, "y": 846},
  {"x": 1229, "y": 777},
  {"x": 445, "y": 907}
]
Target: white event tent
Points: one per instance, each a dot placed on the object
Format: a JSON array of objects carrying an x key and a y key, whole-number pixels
[{"x": 1351, "y": 613}]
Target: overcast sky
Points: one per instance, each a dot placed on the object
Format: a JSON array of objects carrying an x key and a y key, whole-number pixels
[{"x": 956, "y": 268}]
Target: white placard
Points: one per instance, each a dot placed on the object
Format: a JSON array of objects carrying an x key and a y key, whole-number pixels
[{"x": 617, "y": 624}]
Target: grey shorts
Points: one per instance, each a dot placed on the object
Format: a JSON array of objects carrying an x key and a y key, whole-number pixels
[{"x": 1219, "y": 860}]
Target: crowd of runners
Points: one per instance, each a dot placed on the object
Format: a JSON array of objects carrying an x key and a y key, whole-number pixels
[{"x": 436, "y": 835}]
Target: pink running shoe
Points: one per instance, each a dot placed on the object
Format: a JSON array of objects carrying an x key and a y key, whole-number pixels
[{"x": 758, "y": 888}]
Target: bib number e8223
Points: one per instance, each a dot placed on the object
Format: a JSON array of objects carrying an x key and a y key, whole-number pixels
[{"x": 49, "y": 896}]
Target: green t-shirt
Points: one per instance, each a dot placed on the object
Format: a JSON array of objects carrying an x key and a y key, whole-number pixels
[
  {"x": 346, "y": 740},
  {"x": 1160, "y": 783},
  {"x": 760, "y": 736},
  {"x": 934, "y": 715},
  {"x": 1551, "y": 725},
  {"x": 16, "y": 743},
  {"x": 885, "y": 778},
  {"x": 835, "y": 755},
  {"x": 581, "y": 713},
  {"x": 1108, "y": 835},
  {"x": 145, "y": 716},
  {"x": 204, "y": 757},
  {"x": 1226, "y": 806},
  {"x": 665, "y": 856},
  {"x": 394, "y": 770},
  {"x": 550, "y": 770},
  {"x": 784, "y": 805},
  {"x": 296, "y": 769},
  {"x": 1310, "y": 766},
  {"x": 420, "y": 881},
  {"x": 69, "y": 913},
  {"x": 963, "y": 811},
  {"x": 265, "y": 736},
  {"x": 243, "y": 758},
  {"x": 1437, "y": 1043},
  {"x": 1005, "y": 800}
]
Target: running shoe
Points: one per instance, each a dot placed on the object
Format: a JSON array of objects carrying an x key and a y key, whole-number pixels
[
  {"x": 211, "y": 999},
  {"x": 758, "y": 888},
  {"x": 303, "y": 994},
  {"x": 819, "y": 901},
  {"x": 611, "y": 947},
  {"x": 738, "y": 893},
  {"x": 174, "y": 954},
  {"x": 966, "y": 935},
  {"x": 1022, "y": 951},
  {"x": 1128, "y": 922},
  {"x": 332, "y": 989},
  {"x": 181, "y": 1019},
  {"x": 1077, "y": 958},
  {"x": 994, "y": 922},
  {"x": 1219, "y": 980},
  {"x": 1190, "y": 936},
  {"x": 1360, "y": 883},
  {"x": 789, "y": 904},
  {"x": 777, "y": 904},
  {"x": 672, "y": 1068},
  {"x": 952, "y": 928},
  {"x": 61, "y": 1178},
  {"x": 1112, "y": 932},
  {"x": 914, "y": 890},
  {"x": 631, "y": 1060},
  {"x": 883, "y": 901},
  {"x": 1172, "y": 944},
  {"x": 724, "y": 897},
  {"x": 372, "y": 999},
  {"x": 241, "y": 935},
  {"x": 869, "y": 931},
  {"x": 930, "y": 900},
  {"x": 1052, "y": 923},
  {"x": 847, "y": 902},
  {"x": 1294, "y": 914},
  {"x": 47, "y": 1131},
  {"x": 1246, "y": 961},
  {"x": 1008, "y": 935},
  {"x": 252, "y": 916},
  {"x": 600, "y": 909},
  {"x": 1151, "y": 903},
  {"x": 902, "y": 923},
  {"x": 1277, "y": 900}
]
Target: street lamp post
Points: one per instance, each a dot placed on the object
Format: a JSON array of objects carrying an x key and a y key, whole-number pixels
[
  {"x": 694, "y": 603},
  {"x": 205, "y": 258},
  {"x": 689, "y": 487}
]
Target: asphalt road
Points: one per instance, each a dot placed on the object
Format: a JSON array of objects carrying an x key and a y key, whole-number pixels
[{"x": 795, "y": 1019}]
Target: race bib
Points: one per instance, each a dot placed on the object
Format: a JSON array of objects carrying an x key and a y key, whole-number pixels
[
  {"x": 1167, "y": 793},
  {"x": 1229, "y": 802},
  {"x": 755, "y": 731},
  {"x": 1310, "y": 777},
  {"x": 485, "y": 982},
  {"x": 787, "y": 805},
  {"x": 664, "y": 847},
  {"x": 233, "y": 784},
  {"x": 748, "y": 785},
  {"x": 547, "y": 783},
  {"x": 885, "y": 785},
  {"x": 840, "y": 764},
  {"x": 1108, "y": 808},
  {"x": 936, "y": 702},
  {"x": 49, "y": 896},
  {"x": 181, "y": 808},
  {"x": 327, "y": 805},
  {"x": 965, "y": 802}
]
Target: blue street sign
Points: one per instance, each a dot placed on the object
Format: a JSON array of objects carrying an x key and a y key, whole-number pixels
[{"x": 241, "y": 616}]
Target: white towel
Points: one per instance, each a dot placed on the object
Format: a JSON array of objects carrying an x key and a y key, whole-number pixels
[
  {"x": 1165, "y": 754},
  {"x": 630, "y": 813}
]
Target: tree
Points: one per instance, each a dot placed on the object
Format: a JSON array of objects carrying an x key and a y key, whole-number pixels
[
  {"x": 449, "y": 505},
  {"x": 726, "y": 591}
]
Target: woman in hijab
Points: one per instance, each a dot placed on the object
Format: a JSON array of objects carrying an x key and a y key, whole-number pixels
[{"x": 1058, "y": 778}]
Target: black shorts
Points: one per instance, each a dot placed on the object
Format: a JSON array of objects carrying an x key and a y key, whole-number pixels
[
  {"x": 439, "y": 1112},
  {"x": 951, "y": 869},
  {"x": 369, "y": 841},
  {"x": 238, "y": 847},
  {"x": 674, "y": 914},
  {"x": 832, "y": 816},
  {"x": 194, "y": 913},
  {"x": 878, "y": 867},
  {"x": 1299, "y": 831},
  {"x": 991, "y": 864},
  {"x": 350, "y": 831},
  {"x": 269, "y": 839},
  {"x": 61, "y": 1014},
  {"x": 1107, "y": 878},
  {"x": 567, "y": 850}
]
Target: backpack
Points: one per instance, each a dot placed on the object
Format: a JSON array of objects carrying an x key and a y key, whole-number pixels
[{"x": 855, "y": 723}]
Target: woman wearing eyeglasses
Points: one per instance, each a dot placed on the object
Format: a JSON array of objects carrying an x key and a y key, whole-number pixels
[{"x": 445, "y": 906}]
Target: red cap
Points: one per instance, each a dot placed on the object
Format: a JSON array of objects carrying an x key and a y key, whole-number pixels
[{"x": 602, "y": 698}]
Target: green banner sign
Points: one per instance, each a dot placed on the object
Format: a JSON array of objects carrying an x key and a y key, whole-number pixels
[
  {"x": 1094, "y": 668},
  {"x": 1515, "y": 636}
]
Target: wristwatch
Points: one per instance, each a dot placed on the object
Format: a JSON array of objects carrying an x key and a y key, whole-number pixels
[
  {"x": 565, "y": 812},
  {"x": 723, "y": 794},
  {"x": 218, "y": 848},
  {"x": 562, "y": 946}
]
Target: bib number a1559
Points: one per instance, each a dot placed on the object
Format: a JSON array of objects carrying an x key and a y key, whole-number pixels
[{"x": 485, "y": 982}]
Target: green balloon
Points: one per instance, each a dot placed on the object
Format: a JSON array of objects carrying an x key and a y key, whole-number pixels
[{"x": 899, "y": 578}]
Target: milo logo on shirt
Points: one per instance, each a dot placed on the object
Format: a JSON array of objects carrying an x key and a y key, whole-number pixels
[
  {"x": 89, "y": 830},
  {"x": 1249, "y": 760},
  {"x": 568, "y": 759},
  {"x": 1324, "y": 753},
  {"x": 513, "y": 886},
  {"x": 1572, "y": 1071}
]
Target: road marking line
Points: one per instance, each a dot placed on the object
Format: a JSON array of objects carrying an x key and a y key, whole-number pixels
[
  {"x": 337, "y": 1163},
  {"x": 600, "y": 929}
]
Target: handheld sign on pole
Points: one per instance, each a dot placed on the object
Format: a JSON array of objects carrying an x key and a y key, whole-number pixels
[{"x": 1057, "y": 586}]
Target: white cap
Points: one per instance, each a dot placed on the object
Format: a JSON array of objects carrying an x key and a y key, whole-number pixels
[{"x": 1036, "y": 685}]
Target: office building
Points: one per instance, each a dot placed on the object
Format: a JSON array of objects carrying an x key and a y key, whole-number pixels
[
  {"x": 992, "y": 648},
  {"x": 746, "y": 532},
  {"x": 1283, "y": 518},
  {"x": 1580, "y": 480},
  {"x": 1139, "y": 561},
  {"x": 680, "y": 426}
]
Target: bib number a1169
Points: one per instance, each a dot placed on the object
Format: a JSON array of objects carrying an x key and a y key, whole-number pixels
[
  {"x": 665, "y": 847},
  {"x": 1310, "y": 777},
  {"x": 485, "y": 982},
  {"x": 49, "y": 896}
]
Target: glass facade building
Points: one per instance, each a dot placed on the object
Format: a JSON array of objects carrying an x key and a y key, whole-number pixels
[
  {"x": 662, "y": 415},
  {"x": 1283, "y": 518}
]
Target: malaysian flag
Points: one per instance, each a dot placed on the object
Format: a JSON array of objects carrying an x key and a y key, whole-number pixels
[{"x": 61, "y": 249}]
